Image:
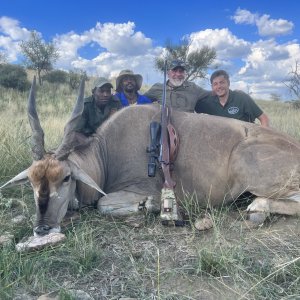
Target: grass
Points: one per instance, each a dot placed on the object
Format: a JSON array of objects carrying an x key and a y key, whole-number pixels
[{"x": 109, "y": 260}]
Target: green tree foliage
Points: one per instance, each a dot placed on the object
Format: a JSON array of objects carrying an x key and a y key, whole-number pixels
[
  {"x": 13, "y": 76},
  {"x": 197, "y": 61},
  {"x": 56, "y": 76},
  {"x": 75, "y": 78},
  {"x": 39, "y": 55}
]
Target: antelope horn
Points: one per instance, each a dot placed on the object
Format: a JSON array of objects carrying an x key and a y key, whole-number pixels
[
  {"x": 37, "y": 137},
  {"x": 72, "y": 138}
]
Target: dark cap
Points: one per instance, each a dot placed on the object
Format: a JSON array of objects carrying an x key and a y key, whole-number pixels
[{"x": 177, "y": 64}]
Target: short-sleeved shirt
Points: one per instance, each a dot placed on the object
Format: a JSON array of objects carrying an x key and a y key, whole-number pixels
[
  {"x": 141, "y": 99},
  {"x": 238, "y": 106},
  {"x": 92, "y": 116},
  {"x": 183, "y": 98}
]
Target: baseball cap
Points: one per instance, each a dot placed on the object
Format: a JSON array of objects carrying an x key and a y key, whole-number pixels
[
  {"x": 177, "y": 64},
  {"x": 101, "y": 81}
]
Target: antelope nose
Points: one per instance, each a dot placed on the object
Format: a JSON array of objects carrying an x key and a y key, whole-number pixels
[{"x": 42, "y": 229}]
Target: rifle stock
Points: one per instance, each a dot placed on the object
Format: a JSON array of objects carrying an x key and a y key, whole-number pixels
[{"x": 165, "y": 149}]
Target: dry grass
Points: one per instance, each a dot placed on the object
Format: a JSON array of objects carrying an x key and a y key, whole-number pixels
[{"x": 109, "y": 260}]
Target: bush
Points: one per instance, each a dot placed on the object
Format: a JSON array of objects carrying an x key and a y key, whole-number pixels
[
  {"x": 75, "y": 78},
  {"x": 13, "y": 76},
  {"x": 296, "y": 104},
  {"x": 56, "y": 76}
]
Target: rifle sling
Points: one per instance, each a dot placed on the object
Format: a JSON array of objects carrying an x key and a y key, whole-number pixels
[
  {"x": 173, "y": 146},
  {"x": 173, "y": 143}
]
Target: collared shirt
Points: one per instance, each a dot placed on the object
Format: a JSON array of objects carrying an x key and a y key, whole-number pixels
[
  {"x": 141, "y": 99},
  {"x": 238, "y": 106},
  {"x": 92, "y": 116},
  {"x": 183, "y": 98}
]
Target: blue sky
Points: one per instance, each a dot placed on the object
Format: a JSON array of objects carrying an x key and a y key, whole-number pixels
[{"x": 256, "y": 41}]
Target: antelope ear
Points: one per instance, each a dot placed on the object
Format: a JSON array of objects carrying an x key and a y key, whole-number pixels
[
  {"x": 79, "y": 174},
  {"x": 21, "y": 178}
]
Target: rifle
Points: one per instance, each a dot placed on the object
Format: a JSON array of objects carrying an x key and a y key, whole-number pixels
[{"x": 169, "y": 209}]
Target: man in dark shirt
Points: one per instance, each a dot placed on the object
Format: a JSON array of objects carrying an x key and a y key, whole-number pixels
[
  {"x": 98, "y": 107},
  {"x": 231, "y": 104}
]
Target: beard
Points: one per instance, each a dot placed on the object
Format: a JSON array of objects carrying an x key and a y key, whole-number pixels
[
  {"x": 176, "y": 82},
  {"x": 129, "y": 88}
]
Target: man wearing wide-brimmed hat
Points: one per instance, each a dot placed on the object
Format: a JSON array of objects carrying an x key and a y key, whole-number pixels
[
  {"x": 127, "y": 86},
  {"x": 98, "y": 107},
  {"x": 180, "y": 94}
]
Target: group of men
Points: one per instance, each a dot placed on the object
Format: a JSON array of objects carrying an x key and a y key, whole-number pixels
[{"x": 180, "y": 95}]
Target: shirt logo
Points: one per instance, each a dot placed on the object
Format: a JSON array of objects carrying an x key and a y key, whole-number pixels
[{"x": 233, "y": 110}]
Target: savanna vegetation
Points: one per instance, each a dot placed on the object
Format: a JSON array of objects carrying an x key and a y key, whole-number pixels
[{"x": 108, "y": 259}]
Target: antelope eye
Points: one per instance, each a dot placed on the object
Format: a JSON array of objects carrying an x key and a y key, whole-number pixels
[{"x": 67, "y": 178}]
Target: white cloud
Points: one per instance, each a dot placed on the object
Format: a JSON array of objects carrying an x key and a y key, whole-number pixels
[
  {"x": 68, "y": 45},
  {"x": 113, "y": 38},
  {"x": 265, "y": 25},
  {"x": 259, "y": 66},
  {"x": 10, "y": 36},
  {"x": 265, "y": 73},
  {"x": 262, "y": 59},
  {"x": 120, "y": 38},
  {"x": 243, "y": 16},
  {"x": 271, "y": 27},
  {"x": 120, "y": 47},
  {"x": 226, "y": 44},
  {"x": 10, "y": 48},
  {"x": 11, "y": 27}
]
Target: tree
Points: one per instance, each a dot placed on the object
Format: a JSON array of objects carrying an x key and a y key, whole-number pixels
[
  {"x": 293, "y": 80},
  {"x": 39, "y": 55},
  {"x": 196, "y": 61},
  {"x": 75, "y": 77},
  {"x": 3, "y": 57}
]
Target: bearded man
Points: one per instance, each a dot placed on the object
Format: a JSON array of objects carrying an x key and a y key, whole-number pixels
[
  {"x": 127, "y": 86},
  {"x": 180, "y": 94}
]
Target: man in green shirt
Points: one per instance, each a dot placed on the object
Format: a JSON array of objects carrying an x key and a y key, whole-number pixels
[
  {"x": 98, "y": 107},
  {"x": 231, "y": 104},
  {"x": 180, "y": 94}
]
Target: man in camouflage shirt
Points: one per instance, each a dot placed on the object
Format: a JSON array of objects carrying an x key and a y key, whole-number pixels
[
  {"x": 98, "y": 107},
  {"x": 180, "y": 94}
]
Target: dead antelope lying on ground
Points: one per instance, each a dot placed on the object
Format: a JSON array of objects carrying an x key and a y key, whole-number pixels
[{"x": 218, "y": 160}]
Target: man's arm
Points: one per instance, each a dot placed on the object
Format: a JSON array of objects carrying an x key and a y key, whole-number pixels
[
  {"x": 155, "y": 92},
  {"x": 254, "y": 109},
  {"x": 115, "y": 102},
  {"x": 264, "y": 120}
]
